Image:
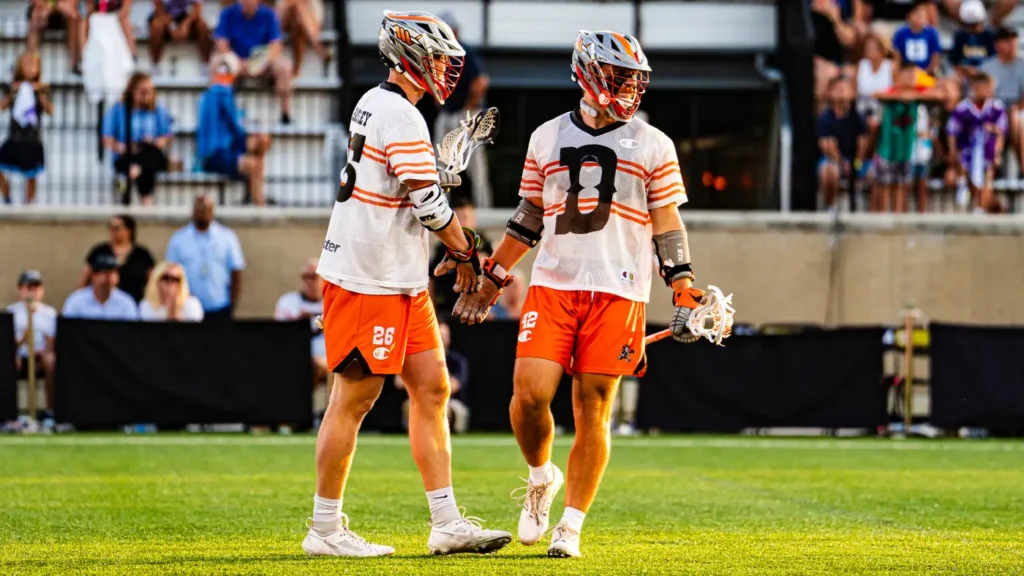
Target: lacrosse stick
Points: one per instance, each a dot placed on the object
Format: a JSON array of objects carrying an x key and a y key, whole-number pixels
[
  {"x": 712, "y": 320},
  {"x": 458, "y": 145}
]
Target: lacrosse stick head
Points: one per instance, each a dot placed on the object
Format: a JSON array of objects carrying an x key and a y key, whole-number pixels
[
  {"x": 457, "y": 146},
  {"x": 713, "y": 319}
]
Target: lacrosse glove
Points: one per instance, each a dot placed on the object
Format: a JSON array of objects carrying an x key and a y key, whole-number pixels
[
  {"x": 448, "y": 180},
  {"x": 685, "y": 301}
]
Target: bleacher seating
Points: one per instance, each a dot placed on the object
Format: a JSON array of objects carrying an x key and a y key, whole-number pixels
[{"x": 300, "y": 168}]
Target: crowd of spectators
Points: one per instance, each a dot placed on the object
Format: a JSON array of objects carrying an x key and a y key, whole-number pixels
[
  {"x": 897, "y": 111},
  {"x": 244, "y": 45}
]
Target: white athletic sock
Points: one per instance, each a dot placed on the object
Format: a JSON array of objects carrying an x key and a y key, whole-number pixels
[
  {"x": 574, "y": 518},
  {"x": 442, "y": 505},
  {"x": 542, "y": 474},
  {"x": 326, "y": 512}
]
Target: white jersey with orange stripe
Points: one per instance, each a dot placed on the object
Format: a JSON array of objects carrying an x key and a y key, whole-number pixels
[
  {"x": 374, "y": 243},
  {"x": 598, "y": 187}
]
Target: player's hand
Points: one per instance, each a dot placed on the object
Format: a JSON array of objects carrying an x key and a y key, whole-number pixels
[
  {"x": 466, "y": 264},
  {"x": 685, "y": 301},
  {"x": 474, "y": 308},
  {"x": 448, "y": 180}
]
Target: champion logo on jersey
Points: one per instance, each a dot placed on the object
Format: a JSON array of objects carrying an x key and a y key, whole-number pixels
[
  {"x": 629, "y": 143},
  {"x": 626, "y": 277}
]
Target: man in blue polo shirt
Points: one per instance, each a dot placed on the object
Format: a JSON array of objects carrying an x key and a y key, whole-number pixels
[
  {"x": 212, "y": 258},
  {"x": 253, "y": 33},
  {"x": 101, "y": 300}
]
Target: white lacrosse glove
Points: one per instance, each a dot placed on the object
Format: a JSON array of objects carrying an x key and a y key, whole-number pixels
[
  {"x": 685, "y": 301},
  {"x": 448, "y": 179}
]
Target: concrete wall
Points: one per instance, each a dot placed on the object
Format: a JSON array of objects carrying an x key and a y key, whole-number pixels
[{"x": 781, "y": 268}]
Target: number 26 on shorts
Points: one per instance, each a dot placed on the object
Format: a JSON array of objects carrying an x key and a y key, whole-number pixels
[{"x": 383, "y": 336}]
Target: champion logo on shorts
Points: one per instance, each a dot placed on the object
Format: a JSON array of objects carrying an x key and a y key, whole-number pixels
[{"x": 381, "y": 353}]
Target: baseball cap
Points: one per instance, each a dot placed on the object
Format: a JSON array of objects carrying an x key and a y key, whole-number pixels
[
  {"x": 1004, "y": 33},
  {"x": 103, "y": 263},
  {"x": 29, "y": 277},
  {"x": 972, "y": 12}
]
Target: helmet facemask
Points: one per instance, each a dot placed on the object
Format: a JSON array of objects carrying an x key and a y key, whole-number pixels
[{"x": 621, "y": 89}]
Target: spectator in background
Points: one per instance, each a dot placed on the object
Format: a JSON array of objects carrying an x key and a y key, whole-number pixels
[
  {"x": 134, "y": 261},
  {"x": 44, "y": 329},
  {"x": 468, "y": 97},
  {"x": 22, "y": 152},
  {"x": 123, "y": 9},
  {"x": 917, "y": 43},
  {"x": 178, "y": 21},
  {"x": 976, "y": 131},
  {"x": 212, "y": 258},
  {"x": 151, "y": 135},
  {"x": 458, "y": 382},
  {"x": 1007, "y": 70},
  {"x": 974, "y": 43},
  {"x": 442, "y": 288},
  {"x": 56, "y": 15},
  {"x": 510, "y": 305},
  {"x": 842, "y": 139},
  {"x": 950, "y": 173},
  {"x": 832, "y": 37},
  {"x": 874, "y": 75},
  {"x": 168, "y": 298},
  {"x": 101, "y": 300},
  {"x": 303, "y": 20},
  {"x": 998, "y": 9},
  {"x": 307, "y": 303},
  {"x": 252, "y": 32},
  {"x": 223, "y": 146}
]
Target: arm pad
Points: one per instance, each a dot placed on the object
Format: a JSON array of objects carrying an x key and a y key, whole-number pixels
[
  {"x": 431, "y": 207},
  {"x": 673, "y": 253},
  {"x": 527, "y": 223}
]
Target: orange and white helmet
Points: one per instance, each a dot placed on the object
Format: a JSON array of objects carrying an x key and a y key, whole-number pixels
[
  {"x": 421, "y": 47},
  {"x": 617, "y": 89}
]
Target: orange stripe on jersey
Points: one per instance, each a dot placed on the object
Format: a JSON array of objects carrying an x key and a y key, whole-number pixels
[
  {"x": 651, "y": 193},
  {"x": 373, "y": 156},
  {"x": 410, "y": 151},
  {"x": 412, "y": 164},
  {"x": 544, "y": 169},
  {"x": 408, "y": 144},
  {"x": 556, "y": 170},
  {"x": 635, "y": 166},
  {"x": 631, "y": 172},
  {"x": 667, "y": 168},
  {"x": 628, "y": 210},
  {"x": 630, "y": 217},
  {"x": 677, "y": 189},
  {"x": 368, "y": 148},
  {"x": 368, "y": 197}
]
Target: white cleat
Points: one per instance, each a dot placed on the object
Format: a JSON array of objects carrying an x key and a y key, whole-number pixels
[
  {"x": 341, "y": 542},
  {"x": 536, "y": 505},
  {"x": 565, "y": 542},
  {"x": 465, "y": 534}
]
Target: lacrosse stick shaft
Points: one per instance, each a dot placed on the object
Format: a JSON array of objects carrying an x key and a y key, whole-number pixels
[{"x": 652, "y": 338}]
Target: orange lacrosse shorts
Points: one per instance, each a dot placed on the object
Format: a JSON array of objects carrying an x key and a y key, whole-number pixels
[
  {"x": 378, "y": 332},
  {"x": 586, "y": 332}
]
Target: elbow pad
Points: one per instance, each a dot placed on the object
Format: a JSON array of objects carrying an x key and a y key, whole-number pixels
[
  {"x": 527, "y": 223},
  {"x": 430, "y": 206},
  {"x": 673, "y": 253}
]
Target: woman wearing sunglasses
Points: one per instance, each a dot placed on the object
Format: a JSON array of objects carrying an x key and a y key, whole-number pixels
[{"x": 167, "y": 298}]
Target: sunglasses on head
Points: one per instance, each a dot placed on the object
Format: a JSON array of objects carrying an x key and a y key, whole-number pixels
[{"x": 170, "y": 278}]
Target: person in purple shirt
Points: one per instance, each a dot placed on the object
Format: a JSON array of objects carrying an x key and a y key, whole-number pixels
[
  {"x": 976, "y": 131},
  {"x": 917, "y": 43},
  {"x": 252, "y": 32}
]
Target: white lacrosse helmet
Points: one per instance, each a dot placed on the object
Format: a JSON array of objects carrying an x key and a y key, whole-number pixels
[
  {"x": 619, "y": 90},
  {"x": 421, "y": 47}
]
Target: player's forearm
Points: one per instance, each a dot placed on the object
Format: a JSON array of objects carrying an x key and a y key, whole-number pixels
[
  {"x": 453, "y": 237},
  {"x": 509, "y": 252}
]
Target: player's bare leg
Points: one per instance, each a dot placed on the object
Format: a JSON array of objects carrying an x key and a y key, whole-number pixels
[
  {"x": 351, "y": 399},
  {"x": 592, "y": 399},
  {"x": 535, "y": 383},
  {"x": 426, "y": 379}
]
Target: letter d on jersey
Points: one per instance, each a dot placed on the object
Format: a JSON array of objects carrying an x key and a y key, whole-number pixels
[{"x": 381, "y": 353}]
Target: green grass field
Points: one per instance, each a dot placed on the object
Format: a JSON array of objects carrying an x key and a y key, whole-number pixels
[{"x": 87, "y": 504}]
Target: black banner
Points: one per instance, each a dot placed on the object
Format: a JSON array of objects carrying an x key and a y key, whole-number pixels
[
  {"x": 820, "y": 378},
  {"x": 8, "y": 374},
  {"x": 111, "y": 374},
  {"x": 977, "y": 377},
  {"x": 490, "y": 349}
]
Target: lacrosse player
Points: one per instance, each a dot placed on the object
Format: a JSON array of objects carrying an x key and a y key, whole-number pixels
[
  {"x": 600, "y": 190},
  {"x": 378, "y": 319}
]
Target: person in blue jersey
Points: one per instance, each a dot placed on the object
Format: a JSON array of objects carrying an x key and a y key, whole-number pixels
[
  {"x": 974, "y": 43},
  {"x": 223, "y": 145},
  {"x": 917, "y": 43}
]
